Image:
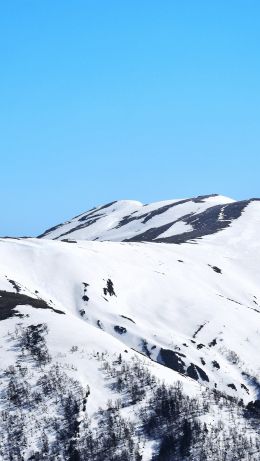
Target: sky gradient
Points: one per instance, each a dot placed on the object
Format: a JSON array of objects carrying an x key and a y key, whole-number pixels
[{"x": 143, "y": 100}]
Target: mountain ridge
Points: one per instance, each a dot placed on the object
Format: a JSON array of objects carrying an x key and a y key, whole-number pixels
[{"x": 171, "y": 221}]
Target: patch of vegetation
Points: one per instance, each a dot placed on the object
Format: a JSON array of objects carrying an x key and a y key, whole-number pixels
[{"x": 120, "y": 330}]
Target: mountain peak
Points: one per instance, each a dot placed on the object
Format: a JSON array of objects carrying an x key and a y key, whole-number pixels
[{"x": 168, "y": 221}]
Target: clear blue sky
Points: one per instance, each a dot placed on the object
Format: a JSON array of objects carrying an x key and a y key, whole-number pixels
[{"x": 130, "y": 99}]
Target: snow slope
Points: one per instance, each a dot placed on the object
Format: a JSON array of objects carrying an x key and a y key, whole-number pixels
[
  {"x": 172, "y": 221},
  {"x": 195, "y": 308},
  {"x": 189, "y": 312}
]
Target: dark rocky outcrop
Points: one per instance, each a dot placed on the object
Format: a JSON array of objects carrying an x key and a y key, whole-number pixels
[{"x": 9, "y": 301}]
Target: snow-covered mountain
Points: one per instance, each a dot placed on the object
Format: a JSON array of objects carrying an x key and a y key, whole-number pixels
[
  {"x": 171, "y": 221},
  {"x": 101, "y": 323}
]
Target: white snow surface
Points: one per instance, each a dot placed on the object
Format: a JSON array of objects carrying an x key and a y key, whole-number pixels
[
  {"x": 107, "y": 222},
  {"x": 166, "y": 296},
  {"x": 200, "y": 299}
]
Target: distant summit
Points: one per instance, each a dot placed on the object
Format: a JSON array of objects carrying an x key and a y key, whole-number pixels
[{"x": 170, "y": 221}]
